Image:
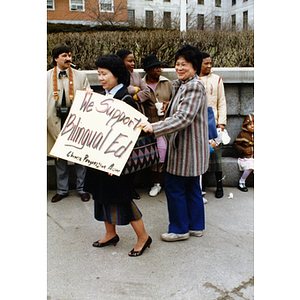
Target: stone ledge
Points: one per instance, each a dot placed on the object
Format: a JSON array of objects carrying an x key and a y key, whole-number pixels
[
  {"x": 144, "y": 179},
  {"x": 229, "y": 75}
]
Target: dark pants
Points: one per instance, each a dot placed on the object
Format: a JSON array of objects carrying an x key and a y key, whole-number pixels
[
  {"x": 185, "y": 204},
  {"x": 62, "y": 174}
]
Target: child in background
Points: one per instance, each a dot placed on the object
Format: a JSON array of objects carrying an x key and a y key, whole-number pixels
[{"x": 244, "y": 144}]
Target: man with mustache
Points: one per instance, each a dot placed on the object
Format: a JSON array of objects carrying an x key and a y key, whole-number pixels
[{"x": 62, "y": 83}]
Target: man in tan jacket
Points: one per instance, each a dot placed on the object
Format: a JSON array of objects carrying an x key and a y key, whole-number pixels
[
  {"x": 216, "y": 99},
  {"x": 62, "y": 83}
]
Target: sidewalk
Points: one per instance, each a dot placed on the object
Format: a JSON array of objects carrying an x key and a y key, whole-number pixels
[{"x": 217, "y": 266}]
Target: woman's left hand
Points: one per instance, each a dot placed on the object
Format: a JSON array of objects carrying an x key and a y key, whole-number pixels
[{"x": 147, "y": 127}]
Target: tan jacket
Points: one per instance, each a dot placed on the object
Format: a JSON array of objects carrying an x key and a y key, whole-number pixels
[
  {"x": 80, "y": 81},
  {"x": 216, "y": 96},
  {"x": 162, "y": 93}
]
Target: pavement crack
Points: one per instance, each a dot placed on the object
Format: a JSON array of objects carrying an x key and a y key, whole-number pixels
[
  {"x": 243, "y": 285},
  {"x": 55, "y": 221},
  {"x": 225, "y": 295}
]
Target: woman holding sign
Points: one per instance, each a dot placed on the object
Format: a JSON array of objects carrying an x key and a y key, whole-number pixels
[
  {"x": 185, "y": 127},
  {"x": 113, "y": 195}
]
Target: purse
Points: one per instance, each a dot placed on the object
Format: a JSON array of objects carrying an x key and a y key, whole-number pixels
[{"x": 144, "y": 154}]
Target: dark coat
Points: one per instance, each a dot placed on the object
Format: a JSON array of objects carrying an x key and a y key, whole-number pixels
[{"x": 108, "y": 189}]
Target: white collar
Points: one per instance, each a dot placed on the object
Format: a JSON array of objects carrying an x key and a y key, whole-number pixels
[{"x": 113, "y": 91}]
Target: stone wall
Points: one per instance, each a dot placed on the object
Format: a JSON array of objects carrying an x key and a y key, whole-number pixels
[{"x": 239, "y": 93}]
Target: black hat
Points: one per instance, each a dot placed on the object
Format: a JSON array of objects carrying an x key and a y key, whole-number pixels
[{"x": 151, "y": 61}]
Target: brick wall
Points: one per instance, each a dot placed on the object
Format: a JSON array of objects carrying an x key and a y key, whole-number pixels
[{"x": 63, "y": 13}]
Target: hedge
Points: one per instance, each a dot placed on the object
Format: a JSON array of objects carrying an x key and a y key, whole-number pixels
[
  {"x": 62, "y": 27},
  {"x": 227, "y": 49}
]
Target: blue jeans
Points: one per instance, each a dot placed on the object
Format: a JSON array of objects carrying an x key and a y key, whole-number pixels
[{"x": 185, "y": 204}]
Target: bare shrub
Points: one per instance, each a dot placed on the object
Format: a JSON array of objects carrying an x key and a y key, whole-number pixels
[{"x": 227, "y": 49}]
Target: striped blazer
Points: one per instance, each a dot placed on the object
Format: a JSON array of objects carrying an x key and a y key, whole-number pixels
[{"x": 186, "y": 129}]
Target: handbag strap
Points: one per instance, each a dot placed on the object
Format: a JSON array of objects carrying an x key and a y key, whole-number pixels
[
  {"x": 140, "y": 106},
  {"x": 126, "y": 96}
]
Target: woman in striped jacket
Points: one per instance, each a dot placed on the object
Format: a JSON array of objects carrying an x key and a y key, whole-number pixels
[{"x": 185, "y": 127}]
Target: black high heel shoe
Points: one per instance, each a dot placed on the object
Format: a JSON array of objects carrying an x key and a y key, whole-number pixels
[
  {"x": 112, "y": 241},
  {"x": 138, "y": 253}
]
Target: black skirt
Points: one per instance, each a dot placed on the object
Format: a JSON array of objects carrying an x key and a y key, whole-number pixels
[
  {"x": 108, "y": 189},
  {"x": 112, "y": 197}
]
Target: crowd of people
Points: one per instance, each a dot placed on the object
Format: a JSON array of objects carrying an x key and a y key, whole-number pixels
[{"x": 179, "y": 116}]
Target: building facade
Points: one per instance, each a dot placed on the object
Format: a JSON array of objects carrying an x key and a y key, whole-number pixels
[
  {"x": 200, "y": 14},
  {"x": 87, "y": 12}
]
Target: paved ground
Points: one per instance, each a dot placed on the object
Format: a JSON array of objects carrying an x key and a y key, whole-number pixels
[{"x": 217, "y": 266}]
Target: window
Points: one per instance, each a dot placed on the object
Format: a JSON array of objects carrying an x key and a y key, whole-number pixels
[
  {"x": 217, "y": 23},
  {"x": 245, "y": 20},
  {"x": 167, "y": 0},
  {"x": 187, "y": 21},
  {"x": 233, "y": 22},
  {"x": 106, "y": 5},
  {"x": 201, "y": 2},
  {"x": 217, "y": 3},
  {"x": 50, "y": 4},
  {"x": 200, "y": 22},
  {"x": 233, "y": 2},
  {"x": 131, "y": 17},
  {"x": 149, "y": 18},
  {"x": 77, "y": 5},
  {"x": 167, "y": 20}
]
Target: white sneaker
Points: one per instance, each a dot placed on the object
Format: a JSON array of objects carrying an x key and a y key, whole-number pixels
[
  {"x": 155, "y": 190},
  {"x": 172, "y": 237},
  {"x": 204, "y": 200},
  {"x": 196, "y": 233}
]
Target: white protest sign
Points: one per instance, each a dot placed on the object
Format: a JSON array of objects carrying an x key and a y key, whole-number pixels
[{"x": 99, "y": 132}]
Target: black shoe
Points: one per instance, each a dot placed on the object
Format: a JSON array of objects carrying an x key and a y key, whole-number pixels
[
  {"x": 139, "y": 253},
  {"x": 112, "y": 241},
  {"x": 58, "y": 197},
  {"x": 135, "y": 195},
  {"x": 219, "y": 192},
  {"x": 85, "y": 197},
  {"x": 242, "y": 188}
]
